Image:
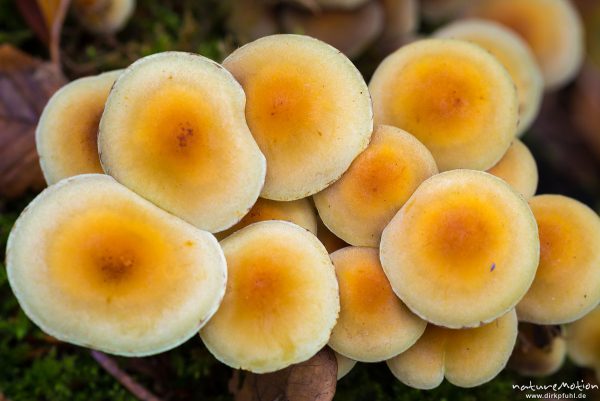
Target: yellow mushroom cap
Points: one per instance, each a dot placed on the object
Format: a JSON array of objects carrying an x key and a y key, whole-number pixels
[
  {"x": 518, "y": 168},
  {"x": 453, "y": 96},
  {"x": 537, "y": 354},
  {"x": 463, "y": 250},
  {"x": 308, "y": 108},
  {"x": 567, "y": 281},
  {"x": 281, "y": 301},
  {"x": 93, "y": 264},
  {"x": 583, "y": 340},
  {"x": 374, "y": 325},
  {"x": 344, "y": 365},
  {"x": 300, "y": 212},
  {"x": 466, "y": 357},
  {"x": 173, "y": 130},
  {"x": 329, "y": 239},
  {"x": 552, "y": 28},
  {"x": 515, "y": 56},
  {"x": 104, "y": 17},
  {"x": 67, "y": 133},
  {"x": 379, "y": 181}
]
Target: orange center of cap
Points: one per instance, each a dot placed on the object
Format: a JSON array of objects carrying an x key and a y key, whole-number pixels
[{"x": 440, "y": 99}]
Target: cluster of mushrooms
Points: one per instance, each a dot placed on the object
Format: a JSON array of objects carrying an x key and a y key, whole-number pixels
[{"x": 392, "y": 222}]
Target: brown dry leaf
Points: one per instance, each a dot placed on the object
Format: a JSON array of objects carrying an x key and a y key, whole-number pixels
[
  {"x": 46, "y": 18},
  {"x": 313, "y": 380},
  {"x": 26, "y": 84}
]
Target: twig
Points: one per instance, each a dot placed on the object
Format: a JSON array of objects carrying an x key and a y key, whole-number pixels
[{"x": 135, "y": 388}]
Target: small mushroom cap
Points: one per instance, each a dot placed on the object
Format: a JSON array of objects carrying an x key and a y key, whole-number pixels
[
  {"x": 374, "y": 325},
  {"x": 552, "y": 28},
  {"x": 463, "y": 250},
  {"x": 567, "y": 282},
  {"x": 104, "y": 17},
  {"x": 514, "y": 54},
  {"x": 453, "y": 96},
  {"x": 308, "y": 108},
  {"x": 344, "y": 365},
  {"x": 538, "y": 354},
  {"x": 329, "y": 239},
  {"x": 350, "y": 31},
  {"x": 93, "y": 264},
  {"x": 67, "y": 133},
  {"x": 280, "y": 305},
  {"x": 359, "y": 205},
  {"x": 518, "y": 168},
  {"x": 422, "y": 365},
  {"x": 173, "y": 130},
  {"x": 583, "y": 340},
  {"x": 300, "y": 212},
  {"x": 466, "y": 357}
]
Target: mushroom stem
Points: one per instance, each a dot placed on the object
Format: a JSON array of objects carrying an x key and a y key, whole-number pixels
[{"x": 112, "y": 367}]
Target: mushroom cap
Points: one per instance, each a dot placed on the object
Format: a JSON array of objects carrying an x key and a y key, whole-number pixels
[
  {"x": 329, "y": 239},
  {"x": 93, "y": 264},
  {"x": 104, "y": 17},
  {"x": 280, "y": 306},
  {"x": 300, "y": 212},
  {"x": 422, "y": 365},
  {"x": 308, "y": 108},
  {"x": 514, "y": 54},
  {"x": 537, "y": 360},
  {"x": 374, "y": 325},
  {"x": 583, "y": 340},
  {"x": 173, "y": 130},
  {"x": 344, "y": 365},
  {"x": 67, "y": 132},
  {"x": 350, "y": 31},
  {"x": 453, "y": 96},
  {"x": 463, "y": 250},
  {"x": 359, "y": 205},
  {"x": 567, "y": 281},
  {"x": 552, "y": 28},
  {"x": 466, "y": 357},
  {"x": 518, "y": 168}
]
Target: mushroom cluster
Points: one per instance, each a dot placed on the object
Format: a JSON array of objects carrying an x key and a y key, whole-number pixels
[
  {"x": 352, "y": 26},
  {"x": 391, "y": 222}
]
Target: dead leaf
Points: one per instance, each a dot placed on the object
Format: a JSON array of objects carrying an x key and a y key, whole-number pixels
[
  {"x": 313, "y": 380},
  {"x": 46, "y": 18},
  {"x": 26, "y": 84}
]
